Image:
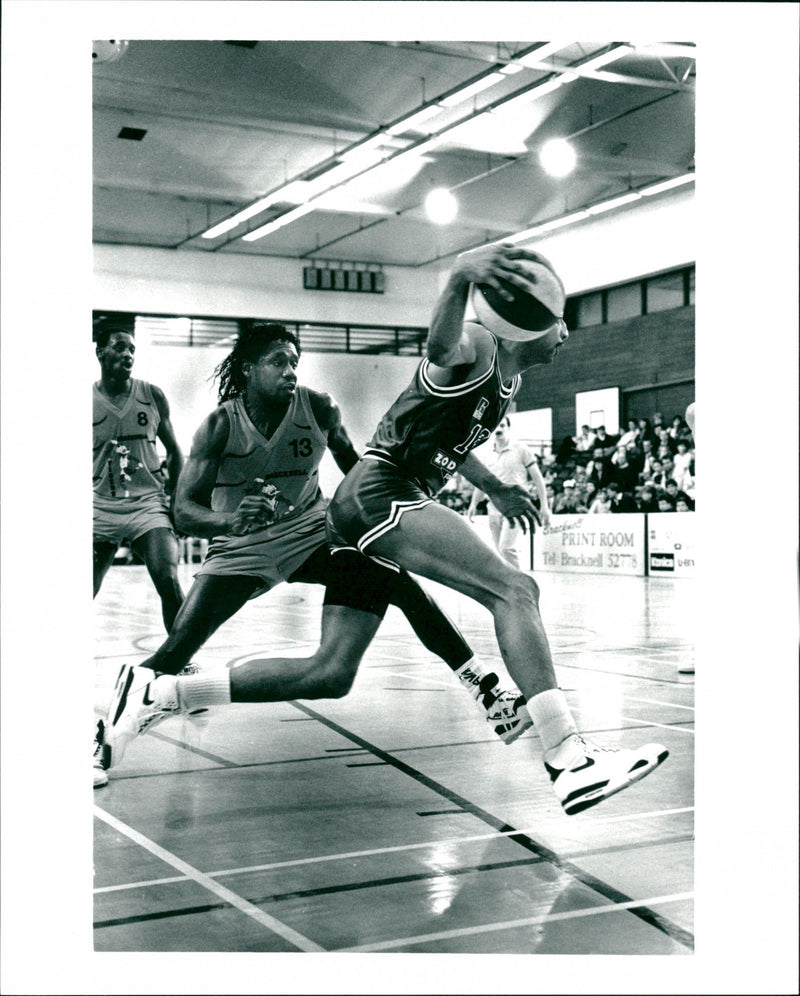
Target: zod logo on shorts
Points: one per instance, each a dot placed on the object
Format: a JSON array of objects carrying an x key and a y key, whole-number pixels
[{"x": 444, "y": 462}]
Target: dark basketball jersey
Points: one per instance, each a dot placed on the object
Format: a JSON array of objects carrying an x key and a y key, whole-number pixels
[
  {"x": 283, "y": 467},
  {"x": 125, "y": 461},
  {"x": 429, "y": 430}
]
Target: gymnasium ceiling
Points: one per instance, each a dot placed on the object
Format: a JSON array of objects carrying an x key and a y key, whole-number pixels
[{"x": 214, "y": 126}]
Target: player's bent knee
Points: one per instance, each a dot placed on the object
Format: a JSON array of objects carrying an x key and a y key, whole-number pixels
[
  {"x": 336, "y": 680},
  {"x": 521, "y": 591}
]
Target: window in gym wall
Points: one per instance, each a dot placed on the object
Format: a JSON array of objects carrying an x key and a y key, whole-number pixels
[
  {"x": 624, "y": 302},
  {"x": 589, "y": 310},
  {"x": 666, "y": 291}
]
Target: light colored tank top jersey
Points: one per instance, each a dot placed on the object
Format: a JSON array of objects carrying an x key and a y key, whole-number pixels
[
  {"x": 125, "y": 461},
  {"x": 429, "y": 430},
  {"x": 285, "y": 467}
]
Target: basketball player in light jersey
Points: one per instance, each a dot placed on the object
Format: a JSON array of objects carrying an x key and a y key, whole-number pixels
[
  {"x": 251, "y": 484},
  {"x": 131, "y": 494}
]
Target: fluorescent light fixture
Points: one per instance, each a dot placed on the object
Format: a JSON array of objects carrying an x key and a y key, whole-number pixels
[
  {"x": 275, "y": 224},
  {"x": 615, "y": 202},
  {"x": 605, "y": 58},
  {"x": 411, "y": 122},
  {"x": 676, "y": 181},
  {"x": 666, "y": 50},
  {"x": 357, "y": 151},
  {"x": 471, "y": 89},
  {"x": 568, "y": 219},
  {"x": 441, "y": 206},
  {"x": 237, "y": 219},
  {"x": 533, "y": 59}
]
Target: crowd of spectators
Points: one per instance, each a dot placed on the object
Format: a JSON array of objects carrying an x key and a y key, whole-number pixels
[{"x": 648, "y": 467}]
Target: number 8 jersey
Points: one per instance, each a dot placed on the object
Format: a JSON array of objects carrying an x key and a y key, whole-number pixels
[
  {"x": 125, "y": 460},
  {"x": 430, "y": 429}
]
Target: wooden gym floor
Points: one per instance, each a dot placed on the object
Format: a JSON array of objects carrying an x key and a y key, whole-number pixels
[{"x": 393, "y": 820}]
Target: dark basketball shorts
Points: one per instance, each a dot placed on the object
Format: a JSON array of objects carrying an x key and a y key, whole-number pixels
[
  {"x": 296, "y": 550},
  {"x": 370, "y": 502}
]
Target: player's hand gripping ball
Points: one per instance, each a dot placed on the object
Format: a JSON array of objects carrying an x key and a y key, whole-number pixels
[{"x": 528, "y": 316}]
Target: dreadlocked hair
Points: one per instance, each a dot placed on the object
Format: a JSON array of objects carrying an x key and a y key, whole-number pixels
[{"x": 253, "y": 341}]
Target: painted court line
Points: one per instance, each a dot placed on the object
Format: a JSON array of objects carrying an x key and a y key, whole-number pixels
[
  {"x": 487, "y": 928},
  {"x": 235, "y": 900},
  {"x": 395, "y": 849}
]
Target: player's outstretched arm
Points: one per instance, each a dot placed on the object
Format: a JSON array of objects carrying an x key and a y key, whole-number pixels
[{"x": 513, "y": 501}]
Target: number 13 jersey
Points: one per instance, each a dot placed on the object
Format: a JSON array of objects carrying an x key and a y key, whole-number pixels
[{"x": 284, "y": 468}]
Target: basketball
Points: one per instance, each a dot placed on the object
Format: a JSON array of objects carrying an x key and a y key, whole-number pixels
[{"x": 527, "y": 316}]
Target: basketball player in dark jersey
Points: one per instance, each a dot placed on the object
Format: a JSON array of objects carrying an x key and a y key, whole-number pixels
[
  {"x": 251, "y": 484},
  {"x": 131, "y": 493},
  {"x": 385, "y": 506}
]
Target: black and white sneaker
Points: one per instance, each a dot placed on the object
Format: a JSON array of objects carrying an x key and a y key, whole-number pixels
[
  {"x": 100, "y": 757},
  {"x": 584, "y": 774},
  {"x": 504, "y": 709},
  {"x": 140, "y": 701}
]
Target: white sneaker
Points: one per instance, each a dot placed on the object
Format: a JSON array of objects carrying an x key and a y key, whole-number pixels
[
  {"x": 100, "y": 756},
  {"x": 504, "y": 709},
  {"x": 584, "y": 774},
  {"x": 140, "y": 701}
]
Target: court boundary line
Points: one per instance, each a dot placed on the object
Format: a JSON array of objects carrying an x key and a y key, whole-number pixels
[
  {"x": 394, "y": 849},
  {"x": 529, "y": 843},
  {"x": 513, "y": 924},
  {"x": 200, "y": 878}
]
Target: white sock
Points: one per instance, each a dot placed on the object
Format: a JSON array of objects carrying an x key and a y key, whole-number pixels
[
  {"x": 196, "y": 690},
  {"x": 471, "y": 675},
  {"x": 551, "y": 718}
]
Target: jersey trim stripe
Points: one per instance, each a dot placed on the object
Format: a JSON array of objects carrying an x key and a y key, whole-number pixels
[
  {"x": 399, "y": 508},
  {"x": 451, "y": 392}
]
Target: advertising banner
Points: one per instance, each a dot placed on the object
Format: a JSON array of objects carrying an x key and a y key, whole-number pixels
[
  {"x": 671, "y": 544},
  {"x": 591, "y": 544}
]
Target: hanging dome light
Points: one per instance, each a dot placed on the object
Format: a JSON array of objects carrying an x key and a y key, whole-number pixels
[
  {"x": 557, "y": 157},
  {"x": 441, "y": 206}
]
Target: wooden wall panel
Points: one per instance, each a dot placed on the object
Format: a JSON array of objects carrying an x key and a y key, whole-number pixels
[{"x": 639, "y": 352}]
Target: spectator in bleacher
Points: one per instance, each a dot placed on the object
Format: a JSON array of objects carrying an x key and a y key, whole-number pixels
[
  {"x": 666, "y": 446},
  {"x": 681, "y": 505},
  {"x": 630, "y": 435},
  {"x": 621, "y": 501},
  {"x": 646, "y": 430},
  {"x": 658, "y": 423},
  {"x": 645, "y": 499},
  {"x": 682, "y": 462},
  {"x": 584, "y": 443},
  {"x": 605, "y": 441},
  {"x": 601, "y": 503},
  {"x": 598, "y": 468},
  {"x": 622, "y": 472},
  {"x": 675, "y": 493},
  {"x": 665, "y": 503},
  {"x": 679, "y": 429},
  {"x": 569, "y": 501},
  {"x": 646, "y": 459},
  {"x": 566, "y": 450}
]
